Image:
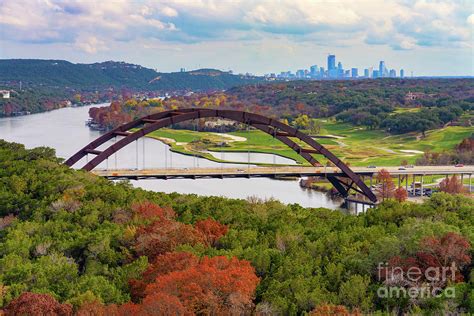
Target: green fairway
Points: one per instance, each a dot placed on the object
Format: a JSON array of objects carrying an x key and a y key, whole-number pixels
[{"x": 354, "y": 145}]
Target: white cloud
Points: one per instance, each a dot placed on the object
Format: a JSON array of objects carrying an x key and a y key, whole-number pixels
[
  {"x": 90, "y": 44},
  {"x": 470, "y": 19},
  {"x": 170, "y": 12}
]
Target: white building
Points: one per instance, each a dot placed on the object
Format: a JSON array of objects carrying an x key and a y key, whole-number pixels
[{"x": 5, "y": 94}]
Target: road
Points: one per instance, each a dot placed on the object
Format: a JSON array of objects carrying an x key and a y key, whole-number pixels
[{"x": 245, "y": 172}]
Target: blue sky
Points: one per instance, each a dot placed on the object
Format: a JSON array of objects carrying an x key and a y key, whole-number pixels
[{"x": 259, "y": 36}]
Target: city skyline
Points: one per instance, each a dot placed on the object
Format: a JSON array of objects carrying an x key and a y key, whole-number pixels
[
  {"x": 338, "y": 71},
  {"x": 426, "y": 37}
]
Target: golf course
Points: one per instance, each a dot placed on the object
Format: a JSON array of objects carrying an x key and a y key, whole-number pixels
[{"x": 356, "y": 146}]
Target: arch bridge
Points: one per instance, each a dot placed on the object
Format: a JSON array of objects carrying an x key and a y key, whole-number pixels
[{"x": 344, "y": 181}]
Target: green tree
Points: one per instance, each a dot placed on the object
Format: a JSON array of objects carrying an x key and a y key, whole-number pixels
[
  {"x": 354, "y": 292},
  {"x": 302, "y": 121}
]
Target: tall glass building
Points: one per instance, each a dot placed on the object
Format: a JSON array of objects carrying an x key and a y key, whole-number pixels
[
  {"x": 331, "y": 62},
  {"x": 381, "y": 69}
]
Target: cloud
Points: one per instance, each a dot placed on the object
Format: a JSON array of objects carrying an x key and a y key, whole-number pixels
[
  {"x": 399, "y": 24},
  {"x": 90, "y": 44},
  {"x": 169, "y": 12},
  {"x": 470, "y": 19}
]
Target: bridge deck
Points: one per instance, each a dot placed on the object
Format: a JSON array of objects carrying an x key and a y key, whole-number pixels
[{"x": 245, "y": 172}]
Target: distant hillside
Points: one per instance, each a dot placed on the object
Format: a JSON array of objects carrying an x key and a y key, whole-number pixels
[{"x": 61, "y": 73}]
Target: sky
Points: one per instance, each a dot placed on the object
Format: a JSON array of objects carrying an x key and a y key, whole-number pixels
[{"x": 432, "y": 38}]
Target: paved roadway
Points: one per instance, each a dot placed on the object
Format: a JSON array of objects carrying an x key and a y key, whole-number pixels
[{"x": 245, "y": 172}]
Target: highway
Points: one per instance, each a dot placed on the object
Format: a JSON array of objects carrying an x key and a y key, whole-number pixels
[{"x": 252, "y": 171}]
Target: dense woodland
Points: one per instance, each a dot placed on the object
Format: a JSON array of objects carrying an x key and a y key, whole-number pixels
[
  {"x": 369, "y": 103},
  {"x": 397, "y": 106},
  {"x": 73, "y": 243}
]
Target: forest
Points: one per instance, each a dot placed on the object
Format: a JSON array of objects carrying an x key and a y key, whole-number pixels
[
  {"x": 381, "y": 103},
  {"x": 72, "y": 243},
  {"x": 394, "y": 105}
]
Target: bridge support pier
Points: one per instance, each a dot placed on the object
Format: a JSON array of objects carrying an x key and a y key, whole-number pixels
[{"x": 421, "y": 185}]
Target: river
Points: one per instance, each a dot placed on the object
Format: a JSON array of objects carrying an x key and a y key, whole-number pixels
[{"x": 65, "y": 131}]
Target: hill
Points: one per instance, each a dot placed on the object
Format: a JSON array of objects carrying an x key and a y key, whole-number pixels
[{"x": 64, "y": 74}]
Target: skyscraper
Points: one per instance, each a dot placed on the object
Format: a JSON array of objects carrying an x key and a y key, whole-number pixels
[
  {"x": 381, "y": 69},
  {"x": 355, "y": 72},
  {"x": 402, "y": 73},
  {"x": 331, "y": 62},
  {"x": 393, "y": 73},
  {"x": 314, "y": 71},
  {"x": 340, "y": 70},
  {"x": 300, "y": 73},
  {"x": 366, "y": 73}
]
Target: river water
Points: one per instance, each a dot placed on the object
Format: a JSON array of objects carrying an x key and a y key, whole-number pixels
[{"x": 66, "y": 132}]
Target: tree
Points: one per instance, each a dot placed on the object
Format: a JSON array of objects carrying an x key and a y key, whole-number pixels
[
  {"x": 371, "y": 121},
  {"x": 211, "y": 230},
  {"x": 96, "y": 308},
  {"x": 164, "y": 236},
  {"x": 451, "y": 185},
  {"x": 444, "y": 251},
  {"x": 216, "y": 285},
  {"x": 37, "y": 304},
  {"x": 332, "y": 310},
  {"x": 385, "y": 184},
  {"x": 302, "y": 121},
  {"x": 163, "y": 264},
  {"x": 423, "y": 125},
  {"x": 435, "y": 260},
  {"x": 400, "y": 194},
  {"x": 149, "y": 210},
  {"x": 467, "y": 144},
  {"x": 354, "y": 292},
  {"x": 314, "y": 126}
]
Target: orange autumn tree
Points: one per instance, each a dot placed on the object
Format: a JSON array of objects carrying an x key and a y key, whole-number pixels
[
  {"x": 451, "y": 185},
  {"x": 386, "y": 187},
  {"x": 211, "y": 230},
  {"x": 400, "y": 194},
  {"x": 435, "y": 252},
  {"x": 165, "y": 233},
  {"x": 444, "y": 251},
  {"x": 37, "y": 304},
  {"x": 162, "y": 264},
  {"x": 214, "y": 286},
  {"x": 332, "y": 310},
  {"x": 149, "y": 210},
  {"x": 96, "y": 308}
]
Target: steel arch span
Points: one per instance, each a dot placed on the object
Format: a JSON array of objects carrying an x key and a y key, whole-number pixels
[{"x": 273, "y": 127}]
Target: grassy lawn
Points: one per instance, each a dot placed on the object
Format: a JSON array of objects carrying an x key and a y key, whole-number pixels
[
  {"x": 354, "y": 145},
  {"x": 405, "y": 110}
]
